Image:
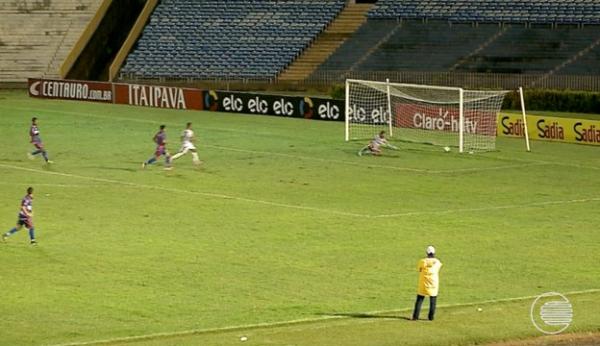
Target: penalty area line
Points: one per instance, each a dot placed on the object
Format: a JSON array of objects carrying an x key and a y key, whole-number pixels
[
  {"x": 490, "y": 208},
  {"x": 292, "y": 322},
  {"x": 205, "y": 194}
]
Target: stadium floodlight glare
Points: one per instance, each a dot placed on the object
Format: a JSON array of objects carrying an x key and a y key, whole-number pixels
[{"x": 438, "y": 115}]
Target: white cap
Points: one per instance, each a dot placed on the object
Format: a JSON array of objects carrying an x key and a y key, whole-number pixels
[{"x": 430, "y": 250}]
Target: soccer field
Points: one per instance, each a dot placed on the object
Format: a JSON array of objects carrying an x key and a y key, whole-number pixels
[{"x": 282, "y": 222}]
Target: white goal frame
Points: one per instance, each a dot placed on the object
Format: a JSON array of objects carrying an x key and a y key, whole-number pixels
[{"x": 386, "y": 86}]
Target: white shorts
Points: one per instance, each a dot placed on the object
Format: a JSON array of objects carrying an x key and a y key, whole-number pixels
[{"x": 185, "y": 147}]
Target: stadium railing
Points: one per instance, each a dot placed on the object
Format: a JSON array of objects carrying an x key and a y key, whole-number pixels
[{"x": 324, "y": 80}]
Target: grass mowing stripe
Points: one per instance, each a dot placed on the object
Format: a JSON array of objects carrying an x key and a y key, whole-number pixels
[
  {"x": 145, "y": 121},
  {"x": 297, "y": 321},
  {"x": 417, "y": 170},
  {"x": 75, "y": 186},
  {"x": 499, "y": 207},
  {"x": 148, "y": 121},
  {"x": 370, "y": 165},
  {"x": 357, "y": 164},
  {"x": 313, "y": 209},
  {"x": 206, "y": 194}
]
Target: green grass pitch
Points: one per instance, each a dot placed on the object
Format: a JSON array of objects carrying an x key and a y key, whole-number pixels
[{"x": 282, "y": 222}]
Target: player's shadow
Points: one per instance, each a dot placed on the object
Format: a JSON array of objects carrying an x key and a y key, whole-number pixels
[
  {"x": 388, "y": 154},
  {"x": 129, "y": 169},
  {"x": 363, "y": 315}
]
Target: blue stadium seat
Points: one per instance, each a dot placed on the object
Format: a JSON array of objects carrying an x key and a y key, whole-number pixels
[
  {"x": 227, "y": 38},
  {"x": 517, "y": 11}
]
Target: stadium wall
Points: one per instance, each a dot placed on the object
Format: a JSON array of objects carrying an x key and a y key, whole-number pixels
[{"x": 565, "y": 130}]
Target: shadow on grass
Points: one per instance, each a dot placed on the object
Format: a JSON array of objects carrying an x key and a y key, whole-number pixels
[
  {"x": 365, "y": 315},
  {"x": 132, "y": 169}
]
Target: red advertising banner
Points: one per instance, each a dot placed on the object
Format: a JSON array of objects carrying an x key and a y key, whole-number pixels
[
  {"x": 158, "y": 96},
  {"x": 444, "y": 118},
  {"x": 70, "y": 90}
]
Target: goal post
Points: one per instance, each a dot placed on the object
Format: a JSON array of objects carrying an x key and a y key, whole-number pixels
[
  {"x": 524, "y": 114},
  {"x": 389, "y": 106},
  {"x": 438, "y": 115}
]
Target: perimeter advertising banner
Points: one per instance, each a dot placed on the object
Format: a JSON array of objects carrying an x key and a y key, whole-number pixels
[
  {"x": 70, "y": 90},
  {"x": 444, "y": 118},
  {"x": 275, "y": 105},
  {"x": 158, "y": 96},
  {"x": 408, "y": 116},
  {"x": 565, "y": 130}
]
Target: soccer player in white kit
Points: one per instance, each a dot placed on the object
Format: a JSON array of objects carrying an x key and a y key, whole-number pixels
[
  {"x": 187, "y": 144},
  {"x": 375, "y": 145}
]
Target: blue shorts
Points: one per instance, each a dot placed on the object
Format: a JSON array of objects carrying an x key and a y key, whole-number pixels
[{"x": 25, "y": 222}]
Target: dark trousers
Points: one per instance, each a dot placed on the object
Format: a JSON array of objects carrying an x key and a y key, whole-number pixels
[{"x": 419, "y": 302}]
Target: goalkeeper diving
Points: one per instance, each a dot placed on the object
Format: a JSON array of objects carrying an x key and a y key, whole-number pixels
[{"x": 375, "y": 145}]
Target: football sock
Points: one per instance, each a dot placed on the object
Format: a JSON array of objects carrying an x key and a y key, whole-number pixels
[
  {"x": 31, "y": 234},
  {"x": 176, "y": 156},
  {"x": 11, "y": 232},
  {"x": 45, "y": 155},
  {"x": 35, "y": 152},
  {"x": 151, "y": 160},
  {"x": 195, "y": 157}
]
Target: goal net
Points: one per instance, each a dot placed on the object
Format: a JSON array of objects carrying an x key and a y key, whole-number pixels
[{"x": 444, "y": 116}]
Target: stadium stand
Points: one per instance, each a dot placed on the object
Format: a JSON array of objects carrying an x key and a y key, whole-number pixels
[
  {"x": 233, "y": 39},
  {"x": 531, "y": 50},
  {"x": 494, "y": 11},
  {"x": 342, "y": 28},
  {"x": 36, "y": 36},
  {"x": 412, "y": 45},
  {"x": 500, "y": 36},
  {"x": 584, "y": 63}
]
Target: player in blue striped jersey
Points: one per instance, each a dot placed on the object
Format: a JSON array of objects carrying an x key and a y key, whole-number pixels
[
  {"x": 25, "y": 218},
  {"x": 160, "y": 138},
  {"x": 36, "y": 140}
]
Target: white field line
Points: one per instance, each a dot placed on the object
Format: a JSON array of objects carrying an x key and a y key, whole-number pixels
[
  {"x": 526, "y": 163},
  {"x": 144, "y": 121},
  {"x": 306, "y": 208},
  {"x": 492, "y": 168},
  {"x": 51, "y": 185},
  {"x": 294, "y": 322},
  {"x": 206, "y": 194},
  {"x": 490, "y": 208}
]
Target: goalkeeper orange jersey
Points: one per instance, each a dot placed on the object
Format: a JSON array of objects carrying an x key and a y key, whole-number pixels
[{"x": 429, "y": 276}]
